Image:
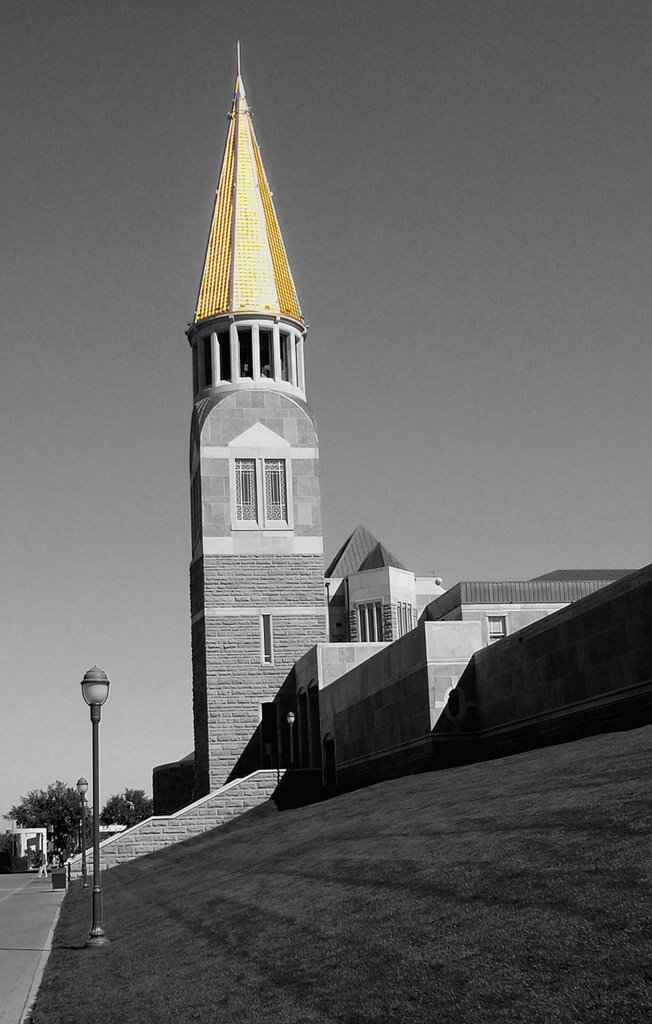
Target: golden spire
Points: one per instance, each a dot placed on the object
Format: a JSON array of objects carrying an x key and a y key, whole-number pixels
[{"x": 246, "y": 268}]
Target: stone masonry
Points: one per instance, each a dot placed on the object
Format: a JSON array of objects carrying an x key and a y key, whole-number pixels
[
  {"x": 164, "y": 830},
  {"x": 229, "y": 681},
  {"x": 243, "y": 570}
]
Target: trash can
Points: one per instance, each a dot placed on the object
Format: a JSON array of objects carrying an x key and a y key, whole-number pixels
[{"x": 59, "y": 878}]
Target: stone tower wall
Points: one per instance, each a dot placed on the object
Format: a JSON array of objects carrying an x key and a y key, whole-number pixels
[{"x": 241, "y": 572}]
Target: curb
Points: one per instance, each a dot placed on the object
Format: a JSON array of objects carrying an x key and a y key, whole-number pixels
[{"x": 40, "y": 967}]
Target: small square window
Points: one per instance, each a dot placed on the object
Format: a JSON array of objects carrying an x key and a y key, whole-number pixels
[{"x": 497, "y": 627}]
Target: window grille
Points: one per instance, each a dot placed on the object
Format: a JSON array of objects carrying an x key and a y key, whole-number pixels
[
  {"x": 246, "y": 501},
  {"x": 276, "y": 502}
]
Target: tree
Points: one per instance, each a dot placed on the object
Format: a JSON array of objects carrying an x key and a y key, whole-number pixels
[
  {"x": 57, "y": 808},
  {"x": 126, "y": 808}
]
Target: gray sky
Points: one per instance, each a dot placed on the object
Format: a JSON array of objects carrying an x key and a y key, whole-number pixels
[{"x": 464, "y": 192}]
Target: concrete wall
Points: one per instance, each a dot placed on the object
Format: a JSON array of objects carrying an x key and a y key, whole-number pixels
[
  {"x": 517, "y": 616},
  {"x": 587, "y": 668},
  {"x": 164, "y": 830},
  {"x": 382, "y": 710}
]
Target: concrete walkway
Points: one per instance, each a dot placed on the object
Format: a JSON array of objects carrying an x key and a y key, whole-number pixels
[{"x": 28, "y": 913}]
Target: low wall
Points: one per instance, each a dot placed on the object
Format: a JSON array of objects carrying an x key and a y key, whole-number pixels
[{"x": 163, "y": 830}]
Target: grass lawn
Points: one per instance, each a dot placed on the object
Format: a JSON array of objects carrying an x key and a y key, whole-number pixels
[{"x": 513, "y": 890}]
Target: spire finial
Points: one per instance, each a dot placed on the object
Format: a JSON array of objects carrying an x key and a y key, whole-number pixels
[{"x": 237, "y": 57}]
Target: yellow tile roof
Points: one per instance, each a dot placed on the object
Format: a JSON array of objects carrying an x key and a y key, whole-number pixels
[{"x": 246, "y": 268}]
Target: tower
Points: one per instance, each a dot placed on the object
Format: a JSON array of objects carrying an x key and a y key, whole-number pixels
[{"x": 256, "y": 574}]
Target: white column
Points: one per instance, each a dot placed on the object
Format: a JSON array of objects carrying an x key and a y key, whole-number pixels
[
  {"x": 215, "y": 358},
  {"x": 301, "y": 365},
  {"x": 255, "y": 351},
  {"x": 293, "y": 358},
  {"x": 276, "y": 341}
]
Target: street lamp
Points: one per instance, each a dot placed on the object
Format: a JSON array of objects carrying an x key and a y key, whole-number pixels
[
  {"x": 290, "y": 722},
  {"x": 95, "y": 690},
  {"x": 82, "y": 789}
]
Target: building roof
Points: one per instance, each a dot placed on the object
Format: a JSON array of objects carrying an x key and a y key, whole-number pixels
[
  {"x": 606, "y": 575},
  {"x": 361, "y": 551},
  {"x": 540, "y": 591},
  {"x": 246, "y": 268}
]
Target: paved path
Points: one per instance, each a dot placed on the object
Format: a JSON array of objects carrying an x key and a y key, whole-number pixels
[{"x": 28, "y": 911}]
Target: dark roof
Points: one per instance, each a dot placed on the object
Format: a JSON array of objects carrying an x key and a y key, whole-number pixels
[
  {"x": 379, "y": 558},
  {"x": 584, "y": 574},
  {"x": 359, "y": 552},
  {"x": 543, "y": 591}
]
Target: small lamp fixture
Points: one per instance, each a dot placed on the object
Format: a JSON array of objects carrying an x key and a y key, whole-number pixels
[
  {"x": 95, "y": 687},
  {"x": 82, "y": 786},
  {"x": 290, "y": 721}
]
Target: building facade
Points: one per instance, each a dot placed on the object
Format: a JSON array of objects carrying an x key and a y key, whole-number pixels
[{"x": 256, "y": 574}]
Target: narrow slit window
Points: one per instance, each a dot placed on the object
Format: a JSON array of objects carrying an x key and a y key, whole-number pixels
[
  {"x": 246, "y": 354},
  {"x": 363, "y": 623},
  {"x": 225, "y": 355},
  {"x": 285, "y": 356},
  {"x": 266, "y": 639},
  {"x": 266, "y": 353},
  {"x": 208, "y": 363},
  {"x": 379, "y": 620},
  {"x": 276, "y": 500},
  {"x": 371, "y": 622},
  {"x": 246, "y": 501},
  {"x": 195, "y": 369}
]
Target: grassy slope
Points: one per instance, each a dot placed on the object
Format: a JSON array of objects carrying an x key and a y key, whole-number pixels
[{"x": 514, "y": 890}]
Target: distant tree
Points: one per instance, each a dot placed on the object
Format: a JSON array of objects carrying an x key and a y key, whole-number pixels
[
  {"x": 57, "y": 808},
  {"x": 126, "y": 808}
]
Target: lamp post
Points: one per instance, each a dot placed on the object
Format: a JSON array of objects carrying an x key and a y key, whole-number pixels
[
  {"x": 95, "y": 690},
  {"x": 290, "y": 722},
  {"x": 82, "y": 789}
]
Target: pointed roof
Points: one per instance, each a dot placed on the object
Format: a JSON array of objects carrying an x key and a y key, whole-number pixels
[
  {"x": 361, "y": 551},
  {"x": 246, "y": 269}
]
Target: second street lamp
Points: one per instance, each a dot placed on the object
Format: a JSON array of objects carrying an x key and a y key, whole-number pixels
[
  {"x": 82, "y": 789},
  {"x": 95, "y": 690}
]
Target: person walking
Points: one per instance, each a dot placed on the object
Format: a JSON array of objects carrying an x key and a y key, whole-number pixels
[{"x": 42, "y": 866}]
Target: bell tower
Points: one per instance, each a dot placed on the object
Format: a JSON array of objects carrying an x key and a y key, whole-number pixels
[{"x": 256, "y": 573}]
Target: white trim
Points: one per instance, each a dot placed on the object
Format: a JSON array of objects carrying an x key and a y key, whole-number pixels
[
  {"x": 265, "y": 542},
  {"x": 215, "y": 452},
  {"x": 308, "y": 546}
]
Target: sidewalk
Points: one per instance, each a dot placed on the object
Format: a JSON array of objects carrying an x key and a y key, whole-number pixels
[{"x": 28, "y": 912}]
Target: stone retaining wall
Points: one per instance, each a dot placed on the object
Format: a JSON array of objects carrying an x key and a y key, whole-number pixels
[{"x": 162, "y": 830}]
